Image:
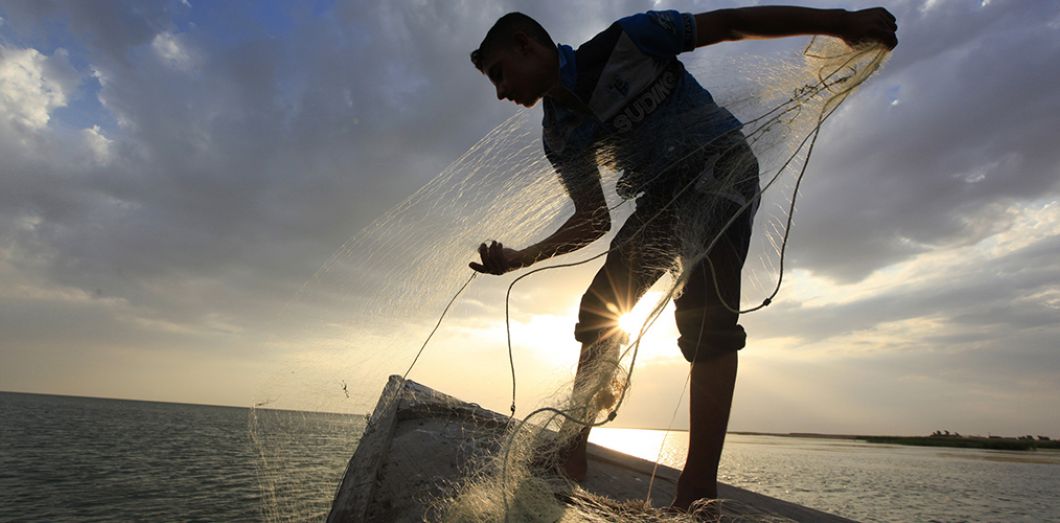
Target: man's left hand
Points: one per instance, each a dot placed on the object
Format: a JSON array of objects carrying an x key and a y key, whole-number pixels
[{"x": 496, "y": 259}]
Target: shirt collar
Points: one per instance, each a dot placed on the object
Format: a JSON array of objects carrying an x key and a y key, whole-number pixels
[{"x": 568, "y": 73}]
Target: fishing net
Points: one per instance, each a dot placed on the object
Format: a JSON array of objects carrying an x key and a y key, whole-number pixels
[{"x": 404, "y": 279}]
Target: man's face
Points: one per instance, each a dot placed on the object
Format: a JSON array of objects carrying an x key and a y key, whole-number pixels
[{"x": 517, "y": 73}]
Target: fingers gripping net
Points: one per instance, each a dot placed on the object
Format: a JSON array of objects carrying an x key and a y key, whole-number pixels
[{"x": 404, "y": 269}]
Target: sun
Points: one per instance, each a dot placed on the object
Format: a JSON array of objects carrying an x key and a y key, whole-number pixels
[
  {"x": 659, "y": 341},
  {"x": 632, "y": 321}
]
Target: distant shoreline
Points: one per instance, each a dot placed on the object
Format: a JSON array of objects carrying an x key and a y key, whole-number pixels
[
  {"x": 259, "y": 407},
  {"x": 936, "y": 440},
  {"x": 815, "y": 435}
]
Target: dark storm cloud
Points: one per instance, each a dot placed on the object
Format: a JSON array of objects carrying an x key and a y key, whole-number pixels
[
  {"x": 999, "y": 296},
  {"x": 243, "y": 158},
  {"x": 971, "y": 133},
  {"x": 272, "y": 150},
  {"x": 260, "y": 156},
  {"x": 260, "y": 162},
  {"x": 110, "y": 27}
]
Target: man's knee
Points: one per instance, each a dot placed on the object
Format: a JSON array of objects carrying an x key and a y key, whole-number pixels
[
  {"x": 598, "y": 321},
  {"x": 712, "y": 343}
]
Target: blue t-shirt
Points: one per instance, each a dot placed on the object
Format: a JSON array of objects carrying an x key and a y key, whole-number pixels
[{"x": 642, "y": 111}]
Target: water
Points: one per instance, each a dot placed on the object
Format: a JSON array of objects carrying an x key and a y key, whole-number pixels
[
  {"x": 873, "y": 482},
  {"x": 82, "y": 459}
]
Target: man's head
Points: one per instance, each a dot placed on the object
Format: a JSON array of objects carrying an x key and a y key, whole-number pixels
[{"x": 519, "y": 57}]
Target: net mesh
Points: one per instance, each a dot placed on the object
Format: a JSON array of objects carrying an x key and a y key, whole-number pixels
[{"x": 395, "y": 281}]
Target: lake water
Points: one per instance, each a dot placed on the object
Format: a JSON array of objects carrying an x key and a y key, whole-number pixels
[
  {"x": 874, "y": 482},
  {"x": 84, "y": 459}
]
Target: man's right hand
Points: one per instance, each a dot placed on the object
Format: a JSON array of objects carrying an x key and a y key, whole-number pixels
[
  {"x": 496, "y": 259},
  {"x": 870, "y": 25}
]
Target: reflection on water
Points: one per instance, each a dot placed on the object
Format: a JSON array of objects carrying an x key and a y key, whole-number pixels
[
  {"x": 1044, "y": 457},
  {"x": 873, "y": 482}
]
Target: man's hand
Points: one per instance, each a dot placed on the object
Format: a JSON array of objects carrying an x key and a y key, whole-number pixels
[
  {"x": 870, "y": 25},
  {"x": 497, "y": 259}
]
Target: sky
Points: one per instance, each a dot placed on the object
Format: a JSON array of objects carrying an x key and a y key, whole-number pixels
[{"x": 172, "y": 173}]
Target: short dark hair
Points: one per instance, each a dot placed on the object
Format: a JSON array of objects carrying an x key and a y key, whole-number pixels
[{"x": 504, "y": 30}]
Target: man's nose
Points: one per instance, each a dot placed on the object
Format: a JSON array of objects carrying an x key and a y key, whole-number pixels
[{"x": 501, "y": 94}]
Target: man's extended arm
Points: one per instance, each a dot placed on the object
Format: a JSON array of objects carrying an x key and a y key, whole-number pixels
[
  {"x": 725, "y": 25},
  {"x": 590, "y": 221}
]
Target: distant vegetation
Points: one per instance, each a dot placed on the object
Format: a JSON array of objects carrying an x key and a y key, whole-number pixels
[{"x": 944, "y": 438}]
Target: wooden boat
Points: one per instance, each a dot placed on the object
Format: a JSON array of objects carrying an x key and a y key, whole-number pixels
[{"x": 418, "y": 441}]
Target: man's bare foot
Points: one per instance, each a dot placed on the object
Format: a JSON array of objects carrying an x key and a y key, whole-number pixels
[
  {"x": 707, "y": 512},
  {"x": 701, "y": 509},
  {"x": 687, "y": 496}
]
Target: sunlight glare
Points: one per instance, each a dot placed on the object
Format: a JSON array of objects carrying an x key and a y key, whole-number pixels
[
  {"x": 651, "y": 445},
  {"x": 633, "y": 321}
]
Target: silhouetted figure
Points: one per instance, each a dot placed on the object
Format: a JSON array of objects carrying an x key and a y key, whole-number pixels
[{"x": 621, "y": 82}]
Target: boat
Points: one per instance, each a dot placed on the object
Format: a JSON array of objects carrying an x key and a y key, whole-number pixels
[{"x": 418, "y": 441}]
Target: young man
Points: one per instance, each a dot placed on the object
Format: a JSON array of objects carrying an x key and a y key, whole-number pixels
[{"x": 625, "y": 92}]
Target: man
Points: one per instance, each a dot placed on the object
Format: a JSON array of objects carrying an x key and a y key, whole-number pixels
[{"x": 624, "y": 97}]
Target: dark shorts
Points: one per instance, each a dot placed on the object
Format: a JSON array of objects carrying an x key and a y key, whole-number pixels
[{"x": 654, "y": 238}]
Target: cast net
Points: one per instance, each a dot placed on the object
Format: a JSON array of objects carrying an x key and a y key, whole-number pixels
[{"x": 405, "y": 278}]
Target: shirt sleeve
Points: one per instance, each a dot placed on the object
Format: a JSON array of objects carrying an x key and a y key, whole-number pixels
[{"x": 661, "y": 33}]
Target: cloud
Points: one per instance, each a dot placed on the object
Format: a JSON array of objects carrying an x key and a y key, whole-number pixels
[
  {"x": 98, "y": 143},
  {"x": 247, "y": 169},
  {"x": 940, "y": 168},
  {"x": 32, "y": 85},
  {"x": 109, "y": 27},
  {"x": 172, "y": 50},
  {"x": 228, "y": 152},
  {"x": 989, "y": 283}
]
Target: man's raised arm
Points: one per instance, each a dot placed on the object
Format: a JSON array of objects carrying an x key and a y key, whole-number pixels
[{"x": 724, "y": 25}]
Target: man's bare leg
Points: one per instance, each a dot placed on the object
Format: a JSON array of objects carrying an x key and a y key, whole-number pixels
[
  {"x": 713, "y": 381},
  {"x": 575, "y": 461},
  {"x": 576, "y": 464}
]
